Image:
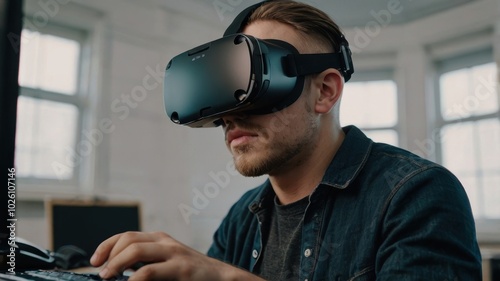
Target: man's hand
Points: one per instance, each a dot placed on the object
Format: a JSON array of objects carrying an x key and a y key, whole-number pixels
[{"x": 166, "y": 259}]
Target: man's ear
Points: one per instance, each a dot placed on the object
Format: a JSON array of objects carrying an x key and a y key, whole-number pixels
[{"x": 330, "y": 84}]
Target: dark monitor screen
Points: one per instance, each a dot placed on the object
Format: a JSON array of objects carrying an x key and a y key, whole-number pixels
[{"x": 87, "y": 224}]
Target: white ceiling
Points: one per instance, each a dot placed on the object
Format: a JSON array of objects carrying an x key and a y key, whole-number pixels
[
  {"x": 347, "y": 13},
  {"x": 359, "y": 12}
]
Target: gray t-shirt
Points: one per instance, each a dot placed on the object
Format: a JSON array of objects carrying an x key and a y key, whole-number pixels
[{"x": 282, "y": 252}]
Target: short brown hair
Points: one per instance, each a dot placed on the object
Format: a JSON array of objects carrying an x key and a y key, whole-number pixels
[{"x": 307, "y": 20}]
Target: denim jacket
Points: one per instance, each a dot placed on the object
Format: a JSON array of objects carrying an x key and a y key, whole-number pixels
[{"x": 379, "y": 213}]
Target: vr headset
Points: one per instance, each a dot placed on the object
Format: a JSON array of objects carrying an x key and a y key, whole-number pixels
[{"x": 240, "y": 73}]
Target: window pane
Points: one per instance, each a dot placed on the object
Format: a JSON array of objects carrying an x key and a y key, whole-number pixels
[
  {"x": 473, "y": 192},
  {"x": 385, "y": 136},
  {"x": 369, "y": 104},
  {"x": 489, "y": 145},
  {"x": 458, "y": 149},
  {"x": 469, "y": 92},
  {"x": 485, "y": 98},
  {"x": 45, "y": 138},
  {"x": 28, "y": 61},
  {"x": 454, "y": 87},
  {"x": 48, "y": 62},
  {"x": 472, "y": 151},
  {"x": 492, "y": 195}
]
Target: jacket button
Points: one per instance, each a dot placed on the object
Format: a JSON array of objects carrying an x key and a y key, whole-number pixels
[
  {"x": 255, "y": 254},
  {"x": 307, "y": 253}
]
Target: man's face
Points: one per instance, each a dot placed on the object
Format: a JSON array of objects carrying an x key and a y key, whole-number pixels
[{"x": 276, "y": 142}]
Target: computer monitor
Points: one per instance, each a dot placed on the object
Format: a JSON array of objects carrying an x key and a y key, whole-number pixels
[{"x": 86, "y": 223}]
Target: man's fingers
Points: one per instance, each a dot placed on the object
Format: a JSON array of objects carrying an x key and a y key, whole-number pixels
[
  {"x": 132, "y": 254},
  {"x": 115, "y": 244},
  {"x": 129, "y": 238},
  {"x": 102, "y": 251}
]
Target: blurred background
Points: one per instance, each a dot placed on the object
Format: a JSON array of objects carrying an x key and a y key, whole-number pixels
[{"x": 91, "y": 121}]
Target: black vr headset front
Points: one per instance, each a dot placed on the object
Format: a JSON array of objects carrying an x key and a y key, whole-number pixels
[{"x": 240, "y": 73}]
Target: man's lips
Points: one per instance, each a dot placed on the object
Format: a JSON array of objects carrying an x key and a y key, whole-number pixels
[{"x": 238, "y": 134}]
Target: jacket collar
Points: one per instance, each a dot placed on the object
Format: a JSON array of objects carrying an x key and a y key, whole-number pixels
[
  {"x": 344, "y": 167},
  {"x": 349, "y": 159}
]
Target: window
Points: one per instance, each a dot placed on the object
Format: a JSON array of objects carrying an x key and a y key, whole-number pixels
[
  {"x": 469, "y": 122},
  {"x": 372, "y": 106},
  {"x": 50, "y": 105}
]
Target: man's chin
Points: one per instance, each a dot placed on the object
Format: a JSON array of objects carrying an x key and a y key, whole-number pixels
[
  {"x": 248, "y": 167},
  {"x": 250, "y": 172}
]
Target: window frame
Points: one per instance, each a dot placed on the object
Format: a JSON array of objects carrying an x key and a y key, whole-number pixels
[
  {"x": 469, "y": 60},
  {"x": 486, "y": 228},
  {"x": 79, "y": 100},
  {"x": 382, "y": 74}
]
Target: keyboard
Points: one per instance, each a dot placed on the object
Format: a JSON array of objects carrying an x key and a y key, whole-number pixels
[{"x": 54, "y": 275}]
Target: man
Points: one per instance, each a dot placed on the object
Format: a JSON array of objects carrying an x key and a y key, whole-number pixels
[{"x": 336, "y": 206}]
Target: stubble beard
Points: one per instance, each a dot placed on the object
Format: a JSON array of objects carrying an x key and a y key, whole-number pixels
[{"x": 279, "y": 152}]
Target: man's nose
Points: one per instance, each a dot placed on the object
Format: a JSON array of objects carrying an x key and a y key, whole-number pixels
[{"x": 233, "y": 118}]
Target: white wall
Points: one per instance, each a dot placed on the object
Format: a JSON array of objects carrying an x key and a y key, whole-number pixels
[{"x": 147, "y": 158}]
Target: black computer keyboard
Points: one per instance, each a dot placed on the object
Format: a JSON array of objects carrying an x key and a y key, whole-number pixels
[{"x": 54, "y": 275}]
